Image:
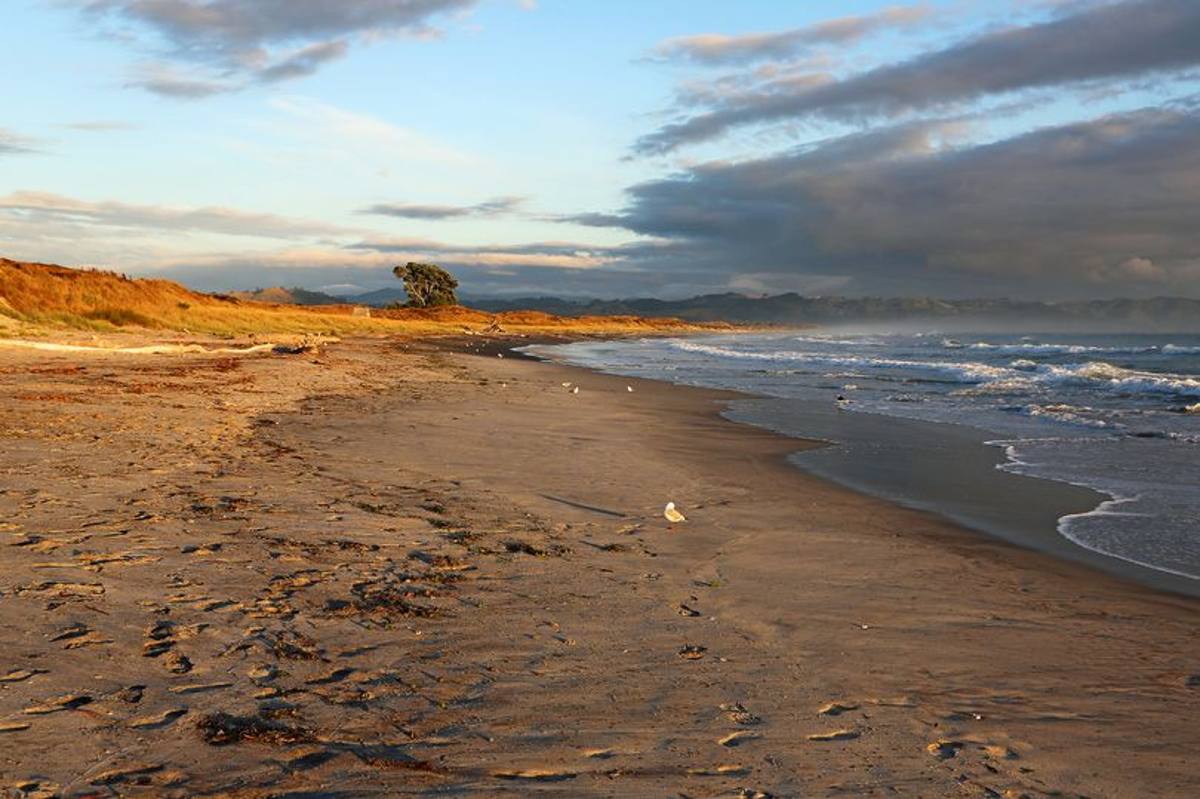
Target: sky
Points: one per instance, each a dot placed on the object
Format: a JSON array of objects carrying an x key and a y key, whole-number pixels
[{"x": 1039, "y": 149}]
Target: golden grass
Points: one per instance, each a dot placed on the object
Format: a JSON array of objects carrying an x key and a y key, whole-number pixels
[{"x": 45, "y": 296}]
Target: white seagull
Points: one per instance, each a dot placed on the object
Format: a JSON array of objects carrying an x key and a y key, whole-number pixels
[{"x": 672, "y": 515}]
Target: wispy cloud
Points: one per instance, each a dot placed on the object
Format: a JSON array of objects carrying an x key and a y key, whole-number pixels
[
  {"x": 711, "y": 49},
  {"x": 1107, "y": 42},
  {"x": 100, "y": 125},
  {"x": 226, "y": 45},
  {"x": 556, "y": 254},
  {"x": 497, "y": 206},
  {"x": 340, "y": 127},
  {"x": 168, "y": 81},
  {"x": 13, "y": 143},
  {"x": 34, "y": 207}
]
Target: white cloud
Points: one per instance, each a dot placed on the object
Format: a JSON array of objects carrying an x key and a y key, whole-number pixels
[{"x": 361, "y": 134}]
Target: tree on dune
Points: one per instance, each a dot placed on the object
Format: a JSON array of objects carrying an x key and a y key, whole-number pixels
[{"x": 427, "y": 285}]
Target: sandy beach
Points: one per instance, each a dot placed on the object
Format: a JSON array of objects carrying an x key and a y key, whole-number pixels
[{"x": 403, "y": 567}]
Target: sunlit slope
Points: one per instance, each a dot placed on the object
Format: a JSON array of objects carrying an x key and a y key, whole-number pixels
[{"x": 48, "y": 296}]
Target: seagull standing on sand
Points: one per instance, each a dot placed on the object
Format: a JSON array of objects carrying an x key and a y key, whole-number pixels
[{"x": 672, "y": 515}]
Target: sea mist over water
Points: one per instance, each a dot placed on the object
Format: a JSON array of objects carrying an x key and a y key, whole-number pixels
[{"x": 1117, "y": 413}]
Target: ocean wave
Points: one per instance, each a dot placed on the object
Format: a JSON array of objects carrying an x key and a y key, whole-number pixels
[
  {"x": 1074, "y": 527},
  {"x": 1128, "y": 381},
  {"x": 989, "y": 379},
  {"x": 853, "y": 342},
  {"x": 1082, "y": 416},
  {"x": 1066, "y": 349},
  {"x": 1001, "y": 387},
  {"x": 967, "y": 372}
]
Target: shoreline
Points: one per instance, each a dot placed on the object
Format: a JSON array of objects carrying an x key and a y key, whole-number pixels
[
  {"x": 398, "y": 567},
  {"x": 1022, "y": 510}
]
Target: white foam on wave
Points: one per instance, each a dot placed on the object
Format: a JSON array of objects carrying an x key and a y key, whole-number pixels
[
  {"x": 1124, "y": 380},
  {"x": 994, "y": 379},
  {"x": 968, "y": 371},
  {"x": 1068, "y": 526},
  {"x": 1065, "y": 349},
  {"x": 1082, "y": 416},
  {"x": 864, "y": 341},
  {"x": 1067, "y": 529}
]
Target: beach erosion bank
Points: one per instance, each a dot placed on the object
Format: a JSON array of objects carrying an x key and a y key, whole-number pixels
[{"x": 397, "y": 567}]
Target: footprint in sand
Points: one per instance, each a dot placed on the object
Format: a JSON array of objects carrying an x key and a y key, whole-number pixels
[
  {"x": 264, "y": 672},
  {"x": 33, "y": 789},
  {"x": 131, "y": 694},
  {"x": 720, "y": 771},
  {"x": 13, "y": 726},
  {"x": 159, "y": 720},
  {"x": 535, "y": 775},
  {"x": 999, "y": 752},
  {"x": 836, "y": 735},
  {"x": 160, "y": 630},
  {"x": 152, "y": 649},
  {"x": 599, "y": 754},
  {"x": 132, "y": 773},
  {"x": 58, "y": 704},
  {"x": 306, "y": 757},
  {"x": 61, "y": 590},
  {"x": 738, "y": 738},
  {"x": 71, "y": 631},
  {"x": 197, "y": 688},
  {"x": 944, "y": 749},
  {"x": 88, "y": 639},
  {"x": 835, "y": 709},
  {"x": 692, "y": 651},
  {"x": 21, "y": 675},
  {"x": 334, "y": 676}
]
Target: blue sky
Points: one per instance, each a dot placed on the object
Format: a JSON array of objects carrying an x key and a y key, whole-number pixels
[{"x": 571, "y": 113}]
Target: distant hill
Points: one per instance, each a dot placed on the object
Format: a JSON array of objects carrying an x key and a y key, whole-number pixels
[
  {"x": 1161, "y": 314},
  {"x": 278, "y": 295},
  {"x": 1166, "y": 314},
  {"x": 378, "y": 298}
]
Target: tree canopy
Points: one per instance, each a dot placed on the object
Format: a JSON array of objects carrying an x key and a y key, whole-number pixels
[{"x": 427, "y": 285}]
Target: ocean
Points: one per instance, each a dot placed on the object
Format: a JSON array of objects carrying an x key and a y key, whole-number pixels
[{"x": 948, "y": 423}]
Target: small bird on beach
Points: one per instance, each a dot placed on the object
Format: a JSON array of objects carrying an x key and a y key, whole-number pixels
[
  {"x": 575, "y": 390},
  {"x": 629, "y": 389},
  {"x": 672, "y": 515}
]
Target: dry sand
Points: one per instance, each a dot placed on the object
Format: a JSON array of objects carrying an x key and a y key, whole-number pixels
[{"x": 397, "y": 568}]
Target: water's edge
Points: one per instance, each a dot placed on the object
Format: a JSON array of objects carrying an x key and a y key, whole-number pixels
[{"x": 958, "y": 472}]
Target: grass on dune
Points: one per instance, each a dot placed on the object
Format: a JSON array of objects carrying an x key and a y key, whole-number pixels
[{"x": 44, "y": 296}]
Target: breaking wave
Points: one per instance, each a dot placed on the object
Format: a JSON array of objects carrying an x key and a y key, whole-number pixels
[{"x": 1019, "y": 375}]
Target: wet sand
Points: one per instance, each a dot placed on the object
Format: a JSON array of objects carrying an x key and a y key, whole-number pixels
[{"x": 399, "y": 568}]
